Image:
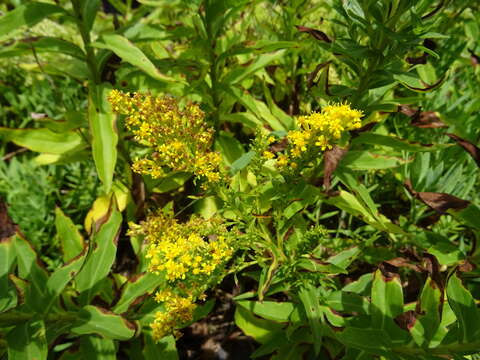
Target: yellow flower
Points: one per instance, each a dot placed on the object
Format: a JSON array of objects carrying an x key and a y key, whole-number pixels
[{"x": 180, "y": 138}]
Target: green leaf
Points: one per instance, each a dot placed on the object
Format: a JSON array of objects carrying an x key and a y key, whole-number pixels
[
  {"x": 105, "y": 138},
  {"x": 242, "y": 162},
  {"x": 240, "y": 73},
  {"x": 373, "y": 340},
  {"x": 96, "y": 320},
  {"x": 7, "y": 293},
  {"x": 386, "y": 304},
  {"x": 26, "y": 15},
  {"x": 348, "y": 302},
  {"x": 309, "y": 298},
  {"x": 270, "y": 310},
  {"x": 70, "y": 238},
  {"x": 261, "y": 330},
  {"x": 136, "y": 287},
  {"x": 153, "y": 348},
  {"x": 41, "y": 45},
  {"x": 368, "y": 160},
  {"x": 89, "y": 12},
  {"x": 30, "y": 268},
  {"x": 344, "y": 258},
  {"x": 103, "y": 248},
  {"x": 128, "y": 52},
  {"x": 464, "y": 306},
  {"x": 43, "y": 140},
  {"x": 94, "y": 347},
  {"x": 230, "y": 148},
  {"x": 427, "y": 323},
  {"x": 62, "y": 276},
  {"x": 395, "y": 143},
  {"x": 27, "y": 341}
]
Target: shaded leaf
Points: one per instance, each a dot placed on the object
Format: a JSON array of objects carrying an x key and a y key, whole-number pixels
[
  {"x": 27, "y": 341},
  {"x": 96, "y": 320}
]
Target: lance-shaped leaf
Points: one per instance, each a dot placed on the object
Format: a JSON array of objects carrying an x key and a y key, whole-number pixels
[
  {"x": 29, "y": 267},
  {"x": 26, "y": 15},
  {"x": 270, "y": 310},
  {"x": 310, "y": 300},
  {"x": 27, "y": 341},
  {"x": 43, "y": 44},
  {"x": 62, "y": 276},
  {"x": 395, "y": 143},
  {"x": 431, "y": 303},
  {"x": 95, "y": 347},
  {"x": 43, "y": 140},
  {"x": 135, "y": 288},
  {"x": 127, "y": 51},
  {"x": 465, "y": 309},
  {"x": 103, "y": 248},
  {"x": 96, "y": 320},
  {"x": 7, "y": 256},
  {"x": 260, "y": 329},
  {"x": 387, "y": 302},
  {"x": 105, "y": 138},
  {"x": 70, "y": 238}
]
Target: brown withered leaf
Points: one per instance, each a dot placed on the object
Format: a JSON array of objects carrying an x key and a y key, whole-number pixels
[
  {"x": 417, "y": 60},
  {"x": 7, "y": 227},
  {"x": 403, "y": 262},
  {"x": 317, "y": 34},
  {"x": 364, "y": 128},
  {"x": 472, "y": 149},
  {"x": 406, "y": 320},
  {"x": 311, "y": 77},
  {"x": 331, "y": 159},
  {"x": 439, "y": 202},
  {"x": 466, "y": 266},
  {"x": 422, "y": 119}
]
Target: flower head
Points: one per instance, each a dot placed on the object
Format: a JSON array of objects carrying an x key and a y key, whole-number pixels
[{"x": 180, "y": 138}]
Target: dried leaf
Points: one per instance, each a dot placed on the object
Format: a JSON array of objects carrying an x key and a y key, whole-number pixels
[
  {"x": 439, "y": 202},
  {"x": 317, "y": 34},
  {"x": 331, "y": 159},
  {"x": 422, "y": 119},
  {"x": 311, "y": 77},
  {"x": 7, "y": 227},
  {"x": 407, "y": 320},
  {"x": 472, "y": 149}
]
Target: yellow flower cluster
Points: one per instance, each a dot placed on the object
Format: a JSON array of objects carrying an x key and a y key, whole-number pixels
[
  {"x": 190, "y": 256},
  {"x": 178, "y": 310},
  {"x": 317, "y": 131},
  {"x": 321, "y": 129},
  {"x": 180, "y": 138},
  {"x": 178, "y": 250}
]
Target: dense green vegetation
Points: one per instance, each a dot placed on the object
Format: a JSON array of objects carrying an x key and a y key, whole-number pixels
[{"x": 239, "y": 179}]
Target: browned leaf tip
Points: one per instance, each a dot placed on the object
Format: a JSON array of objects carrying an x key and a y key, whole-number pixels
[
  {"x": 317, "y": 34},
  {"x": 7, "y": 227},
  {"x": 439, "y": 202},
  {"x": 422, "y": 119},
  {"x": 472, "y": 149},
  {"x": 466, "y": 266},
  {"x": 311, "y": 77},
  {"x": 364, "y": 128},
  {"x": 388, "y": 271},
  {"x": 417, "y": 60},
  {"x": 332, "y": 158},
  {"x": 406, "y": 320}
]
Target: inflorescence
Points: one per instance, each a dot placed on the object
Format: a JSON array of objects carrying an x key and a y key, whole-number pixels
[{"x": 180, "y": 138}]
